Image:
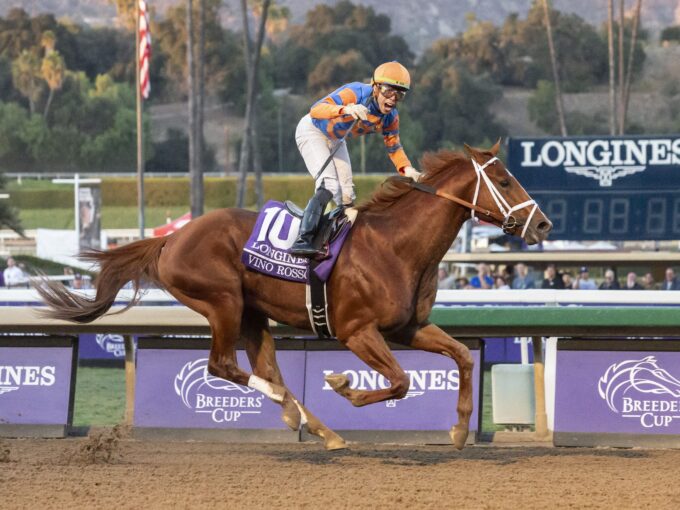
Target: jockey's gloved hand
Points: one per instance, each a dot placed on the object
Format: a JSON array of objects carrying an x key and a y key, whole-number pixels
[
  {"x": 358, "y": 111},
  {"x": 411, "y": 172}
]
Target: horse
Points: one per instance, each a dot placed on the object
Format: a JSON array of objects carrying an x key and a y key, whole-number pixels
[{"x": 382, "y": 287}]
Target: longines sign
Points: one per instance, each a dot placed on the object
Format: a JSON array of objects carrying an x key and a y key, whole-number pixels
[
  {"x": 603, "y": 187},
  {"x": 583, "y": 163},
  {"x": 37, "y": 378}
]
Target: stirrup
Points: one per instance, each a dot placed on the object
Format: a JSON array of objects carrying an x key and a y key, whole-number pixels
[{"x": 306, "y": 250}]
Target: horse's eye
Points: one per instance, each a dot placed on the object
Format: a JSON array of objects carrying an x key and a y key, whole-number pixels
[{"x": 505, "y": 183}]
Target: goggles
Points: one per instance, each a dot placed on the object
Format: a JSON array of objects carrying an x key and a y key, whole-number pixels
[{"x": 390, "y": 92}]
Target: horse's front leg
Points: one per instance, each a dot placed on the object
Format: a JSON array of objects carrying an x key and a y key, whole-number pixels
[
  {"x": 370, "y": 347},
  {"x": 261, "y": 353},
  {"x": 432, "y": 339}
]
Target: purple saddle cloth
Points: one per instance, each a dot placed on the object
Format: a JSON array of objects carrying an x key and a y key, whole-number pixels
[{"x": 267, "y": 249}]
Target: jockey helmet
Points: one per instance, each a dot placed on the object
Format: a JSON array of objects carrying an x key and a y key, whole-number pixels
[{"x": 392, "y": 73}]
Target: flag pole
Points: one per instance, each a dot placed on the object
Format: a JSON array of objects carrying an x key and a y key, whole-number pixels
[{"x": 140, "y": 154}]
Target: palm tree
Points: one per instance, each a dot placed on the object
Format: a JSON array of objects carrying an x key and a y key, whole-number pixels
[
  {"x": 612, "y": 85},
  {"x": 631, "y": 53},
  {"x": 48, "y": 41},
  {"x": 555, "y": 70},
  {"x": 53, "y": 69},
  {"x": 252, "y": 67},
  {"x": 25, "y": 74}
]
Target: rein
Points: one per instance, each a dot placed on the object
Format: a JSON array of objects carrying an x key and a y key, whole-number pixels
[
  {"x": 507, "y": 221},
  {"x": 452, "y": 198}
]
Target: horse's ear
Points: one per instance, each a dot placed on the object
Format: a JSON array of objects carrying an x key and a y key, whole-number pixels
[
  {"x": 494, "y": 150},
  {"x": 468, "y": 149}
]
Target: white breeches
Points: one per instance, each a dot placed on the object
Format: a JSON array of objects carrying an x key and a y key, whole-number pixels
[{"x": 315, "y": 148}]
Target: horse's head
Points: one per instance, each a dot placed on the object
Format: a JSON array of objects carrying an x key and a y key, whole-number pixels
[{"x": 502, "y": 200}]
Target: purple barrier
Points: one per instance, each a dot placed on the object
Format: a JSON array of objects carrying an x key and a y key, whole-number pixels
[
  {"x": 175, "y": 391},
  {"x": 101, "y": 347},
  {"x": 430, "y": 405},
  {"x": 617, "y": 393},
  {"x": 176, "y": 396},
  {"x": 37, "y": 383}
]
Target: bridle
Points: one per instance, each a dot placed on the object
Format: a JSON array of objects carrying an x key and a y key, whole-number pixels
[{"x": 505, "y": 218}]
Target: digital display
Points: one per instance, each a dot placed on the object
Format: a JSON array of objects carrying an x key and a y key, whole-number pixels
[{"x": 625, "y": 188}]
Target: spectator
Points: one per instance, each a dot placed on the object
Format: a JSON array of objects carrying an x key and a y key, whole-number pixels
[
  {"x": 631, "y": 282},
  {"x": 648, "y": 282},
  {"x": 500, "y": 283},
  {"x": 553, "y": 279},
  {"x": 463, "y": 283},
  {"x": 568, "y": 280},
  {"x": 483, "y": 278},
  {"x": 13, "y": 275},
  {"x": 669, "y": 283},
  {"x": 523, "y": 280},
  {"x": 444, "y": 280},
  {"x": 610, "y": 282},
  {"x": 583, "y": 281},
  {"x": 77, "y": 282}
]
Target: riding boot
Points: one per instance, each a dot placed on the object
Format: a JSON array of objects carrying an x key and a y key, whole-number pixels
[{"x": 304, "y": 244}]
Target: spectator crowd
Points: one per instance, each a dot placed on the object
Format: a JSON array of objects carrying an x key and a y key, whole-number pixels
[{"x": 522, "y": 277}]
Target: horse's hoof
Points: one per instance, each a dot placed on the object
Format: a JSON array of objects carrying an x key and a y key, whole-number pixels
[
  {"x": 459, "y": 436},
  {"x": 338, "y": 382},
  {"x": 334, "y": 442},
  {"x": 291, "y": 414}
]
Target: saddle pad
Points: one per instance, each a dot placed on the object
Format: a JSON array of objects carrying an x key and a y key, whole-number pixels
[{"x": 267, "y": 249}]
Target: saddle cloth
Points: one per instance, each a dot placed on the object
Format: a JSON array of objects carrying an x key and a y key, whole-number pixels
[{"x": 267, "y": 249}]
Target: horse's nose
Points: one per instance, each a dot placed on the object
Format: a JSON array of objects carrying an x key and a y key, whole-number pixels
[{"x": 544, "y": 226}]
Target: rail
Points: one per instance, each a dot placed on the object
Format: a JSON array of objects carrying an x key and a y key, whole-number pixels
[{"x": 536, "y": 319}]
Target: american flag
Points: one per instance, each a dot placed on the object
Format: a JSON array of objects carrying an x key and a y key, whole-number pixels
[{"x": 144, "y": 50}]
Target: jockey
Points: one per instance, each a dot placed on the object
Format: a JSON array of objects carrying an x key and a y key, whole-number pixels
[{"x": 365, "y": 109}]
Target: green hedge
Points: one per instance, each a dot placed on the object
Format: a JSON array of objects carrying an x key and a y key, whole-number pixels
[{"x": 174, "y": 192}]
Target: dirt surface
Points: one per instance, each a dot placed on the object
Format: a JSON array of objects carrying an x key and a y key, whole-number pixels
[{"x": 109, "y": 471}]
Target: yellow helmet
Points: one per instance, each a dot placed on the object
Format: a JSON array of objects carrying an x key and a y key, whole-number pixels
[{"x": 392, "y": 73}]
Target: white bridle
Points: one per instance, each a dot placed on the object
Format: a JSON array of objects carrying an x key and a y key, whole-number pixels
[{"x": 506, "y": 210}]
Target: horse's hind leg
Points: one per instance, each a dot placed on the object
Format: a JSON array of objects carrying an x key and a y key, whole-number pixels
[
  {"x": 261, "y": 353},
  {"x": 432, "y": 339}
]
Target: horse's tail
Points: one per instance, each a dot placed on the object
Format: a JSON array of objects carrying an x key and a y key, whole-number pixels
[{"x": 133, "y": 262}]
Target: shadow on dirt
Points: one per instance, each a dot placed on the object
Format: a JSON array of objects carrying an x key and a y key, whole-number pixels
[{"x": 434, "y": 455}]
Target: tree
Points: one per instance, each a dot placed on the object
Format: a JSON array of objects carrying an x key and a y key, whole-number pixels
[
  {"x": 9, "y": 216},
  {"x": 127, "y": 15},
  {"x": 252, "y": 57},
  {"x": 452, "y": 105},
  {"x": 53, "y": 70},
  {"x": 631, "y": 61},
  {"x": 556, "y": 74},
  {"x": 610, "y": 53},
  {"x": 335, "y": 69},
  {"x": 25, "y": 76},
  {"x": 336, "y": 30},
  {"x": 224, "y": 66}
]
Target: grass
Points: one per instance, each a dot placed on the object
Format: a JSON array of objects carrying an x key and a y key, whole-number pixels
[
  {"x": 100, "y": 398},
  {"x": 112, "y": 217}
]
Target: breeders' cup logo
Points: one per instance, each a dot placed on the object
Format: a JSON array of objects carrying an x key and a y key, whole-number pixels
[
  {"x": 421, "y": 381},
  {"x": 113, "y": 344},
  {"x": 222, "y": 400},
  {"x": 602, "y": 160},
  {"x": 12, "y": 378},
  {"x": 630, "y": 388}
]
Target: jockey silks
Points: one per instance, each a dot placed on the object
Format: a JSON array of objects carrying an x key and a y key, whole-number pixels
[{"x": 326, "y": 117}]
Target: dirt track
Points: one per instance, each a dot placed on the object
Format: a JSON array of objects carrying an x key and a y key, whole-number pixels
[{"x": 123, "y": 473}]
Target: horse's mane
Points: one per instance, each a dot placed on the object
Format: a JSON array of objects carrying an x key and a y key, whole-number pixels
[{"x": 393, "y": 188}]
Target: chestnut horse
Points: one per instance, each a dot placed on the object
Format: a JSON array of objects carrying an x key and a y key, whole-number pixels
[{"x": 382, "y": 288}]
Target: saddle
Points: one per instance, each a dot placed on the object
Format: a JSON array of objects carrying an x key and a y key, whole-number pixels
[
  {"x": 266, "y": 252},
  {"x": 329, "y": 227}
]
